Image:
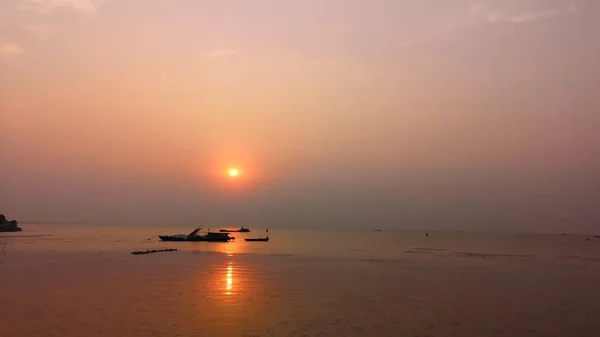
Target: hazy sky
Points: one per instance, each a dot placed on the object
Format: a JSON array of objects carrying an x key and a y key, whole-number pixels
[{"x": 453, "y": 114}]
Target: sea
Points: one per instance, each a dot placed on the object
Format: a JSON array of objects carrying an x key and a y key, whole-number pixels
[{"x": 82, "y": 280}]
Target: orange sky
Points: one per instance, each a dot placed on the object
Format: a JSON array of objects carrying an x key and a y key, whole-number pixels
[{"x": 453, "y": 114}]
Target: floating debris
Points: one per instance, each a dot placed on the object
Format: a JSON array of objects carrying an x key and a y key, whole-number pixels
[{"x": 142, "y": 252}]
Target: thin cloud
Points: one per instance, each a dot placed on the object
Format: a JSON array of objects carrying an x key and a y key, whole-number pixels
[
  {"x": 525, "y": 17},
  {"x": 9, "y": 50},
  {"x": 484, "y": 12},
  {"x": 217, "y": 54},
  {"x": 524, "y": 11},
  {"x": 49, "y": 6}
]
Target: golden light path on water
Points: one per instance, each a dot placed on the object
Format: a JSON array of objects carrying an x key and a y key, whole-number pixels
[{"x": 229, "y": 279}]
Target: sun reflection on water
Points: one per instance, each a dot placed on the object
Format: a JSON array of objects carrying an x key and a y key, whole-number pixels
[{"x": 229, "y": 279}]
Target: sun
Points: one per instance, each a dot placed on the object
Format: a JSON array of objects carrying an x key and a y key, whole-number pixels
[{"x": 233, "y": 172}]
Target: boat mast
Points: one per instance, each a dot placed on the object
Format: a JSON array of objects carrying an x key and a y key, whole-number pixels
[{"x": 195, "y": 231}]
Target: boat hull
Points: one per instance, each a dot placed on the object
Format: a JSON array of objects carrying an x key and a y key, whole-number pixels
[
  {"x": 258, "y": 240},
  {"x": 197, "y": 238},
  {"x": 170, "y": 238}
]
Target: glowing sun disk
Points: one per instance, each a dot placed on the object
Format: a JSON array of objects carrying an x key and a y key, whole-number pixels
[{"x": 233, "y": 172}]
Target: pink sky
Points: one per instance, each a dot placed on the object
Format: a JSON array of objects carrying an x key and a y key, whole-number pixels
[{"x": 457, "y": 114}]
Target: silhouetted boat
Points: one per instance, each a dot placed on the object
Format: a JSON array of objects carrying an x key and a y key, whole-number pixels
[
  {"x": 265, "y": 239},
  {"x": 241, "y": 230},
  {"x": 194, "y": 236},
  {"x": 259, "y": 239}
]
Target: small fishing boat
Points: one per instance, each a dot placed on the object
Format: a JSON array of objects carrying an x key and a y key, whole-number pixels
[
  {"x": 241, "y": 230},
  {"x": 265, "y": 239},
  {"x": 194, "y": 236},
  {"x": 259, "y": 239}
]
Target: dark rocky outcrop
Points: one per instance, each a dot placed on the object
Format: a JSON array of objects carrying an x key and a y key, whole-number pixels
[{"x": 8, "y": 226}]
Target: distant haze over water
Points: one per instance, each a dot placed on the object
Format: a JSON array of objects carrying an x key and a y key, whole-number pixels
[{"x": 434, "y": 115}]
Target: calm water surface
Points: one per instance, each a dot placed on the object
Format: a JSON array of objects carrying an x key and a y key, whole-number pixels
[
  {"x": 81, "y": 281},
  {"x": 389, "y": 244}
]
